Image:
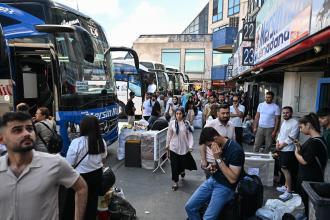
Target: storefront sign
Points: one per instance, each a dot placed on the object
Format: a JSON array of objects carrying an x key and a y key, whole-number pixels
[
  {"x": 279, "y": 25},
  {"x": 249, "y": 31},
  {"x": 248, "y": 56},
  {"x": 320, "y": 15}
]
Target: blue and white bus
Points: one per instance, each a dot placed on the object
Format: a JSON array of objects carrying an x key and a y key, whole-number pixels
[
  {"x": 129, "y": 79},
  {"x": 59, "y": 58}
]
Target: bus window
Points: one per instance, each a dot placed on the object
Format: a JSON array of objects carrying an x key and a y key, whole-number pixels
[
  {"x": 162, "y": 83},
  {"x": 134, "y": 84}
]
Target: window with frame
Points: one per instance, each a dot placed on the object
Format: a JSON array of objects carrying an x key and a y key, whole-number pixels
[
  {"x": 194, "y": 60},
  {"x": 217, "y": 10},
  {"x": 220, "y": 58},
  {"x": 171, "y": 57},
  {"x": 233, "y": 7}
]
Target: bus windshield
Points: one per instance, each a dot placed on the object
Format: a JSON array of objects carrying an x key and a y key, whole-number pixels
[{"x": 79, "y": 76}]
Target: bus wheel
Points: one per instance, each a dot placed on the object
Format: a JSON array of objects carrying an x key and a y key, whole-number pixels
[{"x": 122, "y": 113}]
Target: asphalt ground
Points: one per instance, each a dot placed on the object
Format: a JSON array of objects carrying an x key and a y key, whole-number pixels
[{"x": 150, "y": 193}]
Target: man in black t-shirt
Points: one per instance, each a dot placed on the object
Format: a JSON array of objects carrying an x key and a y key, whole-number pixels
[
  {"x": 156, "y": 111},
  {"x": 220, "y": 187},
  {"x": 130, "y": 109}
]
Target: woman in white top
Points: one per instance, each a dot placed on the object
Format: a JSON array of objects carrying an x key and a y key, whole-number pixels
[
  {"x": 180, "y": 142},
  {"x": 89, "y": 149},
  {"x": 147, "y": 107}
]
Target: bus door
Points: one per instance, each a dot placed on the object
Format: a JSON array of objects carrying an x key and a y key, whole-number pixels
[
  {"x": 34, "y": 78},
  {"x": 134, "y": 85}
]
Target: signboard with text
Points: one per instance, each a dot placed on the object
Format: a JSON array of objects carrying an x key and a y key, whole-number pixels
[
  {"x": 249, "y": 31},
  {"x": 238, "y": 67},
  {"x": 279, "y": 25}
]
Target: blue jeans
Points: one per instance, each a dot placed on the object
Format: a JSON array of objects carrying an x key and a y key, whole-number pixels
[{"x": 212, "y": 191}]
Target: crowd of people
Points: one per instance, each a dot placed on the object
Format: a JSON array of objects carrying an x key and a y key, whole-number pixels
[
  {"x": 228, "y": 127},
  {"x": 30, "y": 172}
]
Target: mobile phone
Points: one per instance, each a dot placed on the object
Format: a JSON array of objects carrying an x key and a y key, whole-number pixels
[{"x": 293, "y": 140}]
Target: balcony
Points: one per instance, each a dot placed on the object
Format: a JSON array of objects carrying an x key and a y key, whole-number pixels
[
  {"x": 223, "y": 39},
  {"x": 219, "y": 72}
]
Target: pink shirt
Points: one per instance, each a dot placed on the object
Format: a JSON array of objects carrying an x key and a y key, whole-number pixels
[{"x": 179, "y": 143}]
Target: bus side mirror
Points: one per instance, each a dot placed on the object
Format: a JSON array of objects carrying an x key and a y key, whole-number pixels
[
  {"x": 86, "y": 43},
  {"x": 2, "y": 46},
  {"x": 125, "y": 49}
]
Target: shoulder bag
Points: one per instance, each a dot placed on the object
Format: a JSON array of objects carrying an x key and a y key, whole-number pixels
[{"x": 317, "y": 159}]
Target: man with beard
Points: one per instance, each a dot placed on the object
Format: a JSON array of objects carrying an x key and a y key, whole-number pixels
[
  {"x": 289, "y": 165},
  {"x": 266, "y": 123},
  {"x": 30, "y": 180},
  {"x": 207, "y": 107},
  {"x": 224, "y": 127}
]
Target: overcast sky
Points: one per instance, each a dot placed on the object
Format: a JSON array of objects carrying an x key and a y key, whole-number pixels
[{"x": 125, "y": 20}]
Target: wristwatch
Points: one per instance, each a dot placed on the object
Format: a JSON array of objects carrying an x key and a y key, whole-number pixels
[{"x": 219, "y": 161}]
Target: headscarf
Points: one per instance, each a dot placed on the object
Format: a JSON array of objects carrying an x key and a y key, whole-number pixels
[{"x": 181, "y": 109}]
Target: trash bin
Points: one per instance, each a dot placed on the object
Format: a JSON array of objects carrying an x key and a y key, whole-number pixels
[
  {"x": 133, "y": 153},
  {"x": 318, "y": 200}
]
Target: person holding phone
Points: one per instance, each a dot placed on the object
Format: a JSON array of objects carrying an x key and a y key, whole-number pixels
[
  {"x": 312, "y": 155},
  {"x": 284, "y": 144}
]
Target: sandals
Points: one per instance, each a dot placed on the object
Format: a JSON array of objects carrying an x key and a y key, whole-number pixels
[{"x": 175, "y": 187}]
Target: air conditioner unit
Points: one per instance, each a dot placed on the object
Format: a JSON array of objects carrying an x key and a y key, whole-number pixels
[{"x": 233, "y": 21}]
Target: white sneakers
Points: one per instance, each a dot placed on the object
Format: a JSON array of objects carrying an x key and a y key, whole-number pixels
[
  {"x": 286, "y": 195},
  {"x": 281, "y": 189}
]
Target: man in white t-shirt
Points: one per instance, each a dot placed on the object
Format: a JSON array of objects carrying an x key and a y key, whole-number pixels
[
  {"x": 147, "y": 107},
  {"x": 266, "y": 123},
  {"x": 151, "y": 87},
  {"x": 236, "y": 116},
  {"x": 284, "y": 143}
]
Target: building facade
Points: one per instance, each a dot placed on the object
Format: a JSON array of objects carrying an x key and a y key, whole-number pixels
[
  {"x": 224, "y": 23},
  {"x": 190, "y": 53},
  {"x": 200, "y": 24},
  {"x": 285, "y": 49}
]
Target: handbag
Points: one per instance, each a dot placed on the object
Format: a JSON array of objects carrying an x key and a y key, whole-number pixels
[
  {"x": 108, "y": 180},
  {"x": 317, "y": 159}
]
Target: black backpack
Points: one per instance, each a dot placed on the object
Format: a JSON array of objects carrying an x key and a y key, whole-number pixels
[
  {"x": 121, "y": 209},
  {"x": 55, "y": 142},
  {"x": 250, "y": 188}
]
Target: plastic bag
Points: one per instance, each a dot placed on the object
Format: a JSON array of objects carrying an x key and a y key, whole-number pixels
[
  {"x": 197, "y": 123},
  {"x": 121, "y": 209},
  {"x": 274, "y": 209}
]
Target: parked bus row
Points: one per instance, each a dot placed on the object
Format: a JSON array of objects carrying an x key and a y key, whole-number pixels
[{"x": 150, "y": 77}]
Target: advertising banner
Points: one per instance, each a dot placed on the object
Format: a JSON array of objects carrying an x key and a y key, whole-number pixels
[
  {"x": 320, "y": 15},
  {"x": 279, "y": 25}
]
